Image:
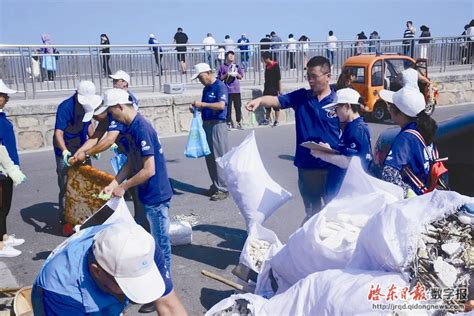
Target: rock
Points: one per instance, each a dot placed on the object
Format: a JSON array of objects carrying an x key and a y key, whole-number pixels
[{"x": 30, "y": 140}]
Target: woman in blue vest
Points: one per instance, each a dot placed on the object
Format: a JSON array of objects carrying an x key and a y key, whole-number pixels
[
  {"x": 10, "y": 174},
  {"x": 413, "y": 148}
]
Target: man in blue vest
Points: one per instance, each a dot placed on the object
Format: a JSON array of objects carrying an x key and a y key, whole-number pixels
[
  {"x": 317, "y": 180},
  {"x": 72, "y": 128}
]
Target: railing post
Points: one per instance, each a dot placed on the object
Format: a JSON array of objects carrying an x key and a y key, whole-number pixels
[
  {"x": 33, "y": 88},
  {"x": 99, "y": 62}
]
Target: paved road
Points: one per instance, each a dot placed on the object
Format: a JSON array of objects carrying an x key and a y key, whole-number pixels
[{"x": 217, "y": 238}]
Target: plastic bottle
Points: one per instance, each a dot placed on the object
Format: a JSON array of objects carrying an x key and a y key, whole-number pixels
[{"x": 466, "y": 215}]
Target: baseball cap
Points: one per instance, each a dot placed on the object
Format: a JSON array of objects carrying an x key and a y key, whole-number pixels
[
  {"x": 200, "y": 68},
  {"x": 126, "y": 251},
  {"x": 346, "y": 95},
  {"x": 88, "y": 99},
  {"x": 5, "y": 89},
  {"x": 408, "y": 100},
  {"x": 113, "y": 97},
  {"x": 152, "y": 36},
  {"x": 120, "y": 74}
]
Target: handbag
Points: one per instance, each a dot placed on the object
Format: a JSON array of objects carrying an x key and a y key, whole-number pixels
[{"x": 197, "y": 145}]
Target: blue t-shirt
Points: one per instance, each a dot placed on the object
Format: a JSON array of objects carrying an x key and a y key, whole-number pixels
[
  {"x": 69, "y": 288},
  {"x": 114, "y": 125},
  {"x": 7, "y": 138},
  {"x": 408, "y": 150},
  {"x": 313, "y": 123},
  {"x": 69, "y": 119},
  {"x": 355, "y": 141},
  {"x": 144, "y": 142},
  {"x": 214, "y": 93}
]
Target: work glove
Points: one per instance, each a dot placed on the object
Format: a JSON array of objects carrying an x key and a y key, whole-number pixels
[
  {"x": 114, "y": 148},
  {"x": 96, "y": 156},
  {"x": 410, "y": 194},
  {"x": 9, "y": 168},
  {"x": 16, "y": 175},
  {"x": 66, "y": 155}
]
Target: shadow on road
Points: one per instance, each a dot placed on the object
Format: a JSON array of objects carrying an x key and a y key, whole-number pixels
[
  {"x": 234, "y": 238},
  {"x": 212, "y": 256},
  {"x": 210, "y": 297},
  {"x": 178, "y": 185},
  {"x": 287, "y": 157},
  {"x": 44, "y": 217},
  {"x": 41, "y": 255}
]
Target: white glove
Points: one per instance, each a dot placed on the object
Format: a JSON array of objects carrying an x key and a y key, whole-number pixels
[
  {"x": 338, "y": 160},
  {"x": 16, "y": 175},
  {"x": 9, "y": 168}
]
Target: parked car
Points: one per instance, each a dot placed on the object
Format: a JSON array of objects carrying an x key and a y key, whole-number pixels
[
  {"x": 374, "y": 72},
  {"x": 454, "y": 139}
]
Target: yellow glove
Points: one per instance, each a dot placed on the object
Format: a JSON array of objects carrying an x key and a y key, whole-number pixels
[{"x": 410, "y": 194}]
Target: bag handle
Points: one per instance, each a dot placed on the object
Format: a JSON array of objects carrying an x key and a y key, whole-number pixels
[
  {"x": 433, "y": 154},
  {"x": 195, "y": 113}
]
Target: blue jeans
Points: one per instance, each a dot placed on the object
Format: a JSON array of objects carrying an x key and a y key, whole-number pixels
[{"x": 157, "y": 215}]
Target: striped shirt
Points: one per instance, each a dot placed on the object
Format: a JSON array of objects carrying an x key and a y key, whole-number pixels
[{"x": 409, "y": 33}]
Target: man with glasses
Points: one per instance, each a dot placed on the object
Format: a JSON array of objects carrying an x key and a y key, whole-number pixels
[{"x": 317, "y": 180}]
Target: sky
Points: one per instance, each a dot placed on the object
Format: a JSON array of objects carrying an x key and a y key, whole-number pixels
[{"x": 130, "y": 22}]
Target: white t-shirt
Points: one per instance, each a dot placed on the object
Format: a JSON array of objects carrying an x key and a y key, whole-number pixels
[
  {"x": 332, "y": 42},
  {"x": 208, "y": 41},
  {"x": 229, "y": 44},
  {"x": 292, "y": 45}
]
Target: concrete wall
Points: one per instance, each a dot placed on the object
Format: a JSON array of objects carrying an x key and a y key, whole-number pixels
[{"x": 34, "y": 119}]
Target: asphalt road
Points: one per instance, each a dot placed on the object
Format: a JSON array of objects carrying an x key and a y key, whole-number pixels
[{"x": 217, "y": 238}]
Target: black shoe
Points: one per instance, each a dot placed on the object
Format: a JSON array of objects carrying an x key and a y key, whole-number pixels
[
  {"x": 275, "y": 123},
  {"x": 265, "y": 122},
  {"x": 147, "y": 308},
  {"x": 239, "y": 126},
  {"x": 218, "y": 196}
]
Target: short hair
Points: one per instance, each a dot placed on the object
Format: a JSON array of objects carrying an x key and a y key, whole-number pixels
[
  {"x": 331, "y": 33},
  {"x": 320, "y": 61},
  {"x": 290, "y": 36},
  {"x": 410, "y": 22},
  {"x": 231, "y": 52},
  {"x": 266, "y": 55},
  {"x": 227, "y": 36},
  {"x": 5, "y": 95},
  {"x": 180, "y": 29},
  {"x": 209, "y": 34},
  {"x": 267, "y": 35},
  {"x": 272, "y": 33}
]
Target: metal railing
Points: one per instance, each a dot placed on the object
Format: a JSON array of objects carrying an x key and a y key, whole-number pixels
[{"x": 26, "y": 69}]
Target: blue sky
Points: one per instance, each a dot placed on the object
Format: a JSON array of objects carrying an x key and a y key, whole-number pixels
[{"x": 130, "y": 22}]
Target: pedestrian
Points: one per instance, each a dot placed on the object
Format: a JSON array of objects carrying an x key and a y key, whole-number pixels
[
  {"x": 181, "y": 38},
  {"x": 355, "y": 138},
  {"x": 332, "y": 45},
  {"x": 111, "y": 133},
  {"x": 470, "y": 43},
  {"x": 10, "y": 174},
  {"x": 157, "y": 52},
  {"x": 464, "y": 46},
  {"x": 101, "y": 270},
  {"x": 48, "y": 63},
  {"x": 276, "y": 40},
  {"x": 374, "y": 44},
  {"x": 272, "y": 86},
  {"x": 316, "y": 178},
  {"x": 424, "y": 41},
  {"x": 145, "y": 169},
  {"x": 231, "y": 74},
  {"x": 209, "y": 48},
  {"x": 213, "y": 107},
  {"x": 71, "y": 130},
  {"x": 360, "y": 43},
  {"x": 105, "y": 52},
  {"x": 220, "y": 55},
  {"x": 229, "y": 43},
  {"x": 345, "y": 79},
  {"x": 244, "y": 50},
  {"x": 292, "y": 51},
  {"x": 413, "y": 146},
  {"x": 409, "y": 42},
  {"x": 305, "y": 42},
  {"x": 265, "y": 47}
]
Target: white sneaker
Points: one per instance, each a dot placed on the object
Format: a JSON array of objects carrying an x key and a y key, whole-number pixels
[
  {"x": 12, "y": 241},
  {"x": 9, "y": 252}
]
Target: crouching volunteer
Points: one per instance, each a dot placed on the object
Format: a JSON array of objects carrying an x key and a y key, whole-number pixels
[
  {"x": 145, "y": 168},
  {"x": 408, "y": 161},
  {"x": 72, "y": 128},
  {"x": 100, "y": 269},
  {"x": 355, "y": 139},
  {"x": 10, "y": 174}
]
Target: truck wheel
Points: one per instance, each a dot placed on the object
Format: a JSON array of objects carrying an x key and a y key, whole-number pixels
[
  {"x": 429, "y": 109},
  {"x": 380, "y": 111}
]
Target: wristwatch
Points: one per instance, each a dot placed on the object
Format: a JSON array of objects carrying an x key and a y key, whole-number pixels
[{"x": 87, "y": 155}]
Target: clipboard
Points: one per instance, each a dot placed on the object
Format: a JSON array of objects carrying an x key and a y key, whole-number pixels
[{"x": 316, "y": 146}]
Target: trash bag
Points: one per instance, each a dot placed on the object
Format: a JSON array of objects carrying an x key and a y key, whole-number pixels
[
  {"x": 239, "y": 304},
  {"x": 118, "y": 161},
  {"x": 197, "y": 145},
  {"x": 180, "y": 233},
  {"x": 253, "y": 190}
]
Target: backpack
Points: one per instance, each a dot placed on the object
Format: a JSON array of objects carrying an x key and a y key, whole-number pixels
[{"x": 437, "y": 174}]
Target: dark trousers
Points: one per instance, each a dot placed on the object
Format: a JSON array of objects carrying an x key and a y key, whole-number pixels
[
  {"x": 234, "y": 99},
  {"x": 408, "y": 48},
  {"x": 158, "y": 58},
  {"x": 291, "y": 60},
  {"x": 6, "y": 193},
  {"x": 106, "y": 65}
]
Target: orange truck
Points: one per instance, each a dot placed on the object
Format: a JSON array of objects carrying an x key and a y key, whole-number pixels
[{"x": 383, "y": 71}]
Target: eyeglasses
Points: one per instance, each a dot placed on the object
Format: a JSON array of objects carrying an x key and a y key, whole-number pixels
[{"x": 314, "y": 77}]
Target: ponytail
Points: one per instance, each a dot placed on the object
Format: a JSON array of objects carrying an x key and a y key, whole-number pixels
[{"x": 426, "y": 126}]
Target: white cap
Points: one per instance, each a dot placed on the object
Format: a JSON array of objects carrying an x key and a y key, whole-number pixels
[
  {"x": 88, "y": 99},
  {"x": 410, "y": 78},
  {"x": 408, "y": 100},
  {"x": 5, "y": 89},
  {"x": 113, "y": 97},
  {"x": 343, "y": 96},
  {"x": 152, "y": 36},
  {"x": 126, "y": 251},
  {"x": 120, "y": 74},
  {"x": 200, "y": 68}
]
